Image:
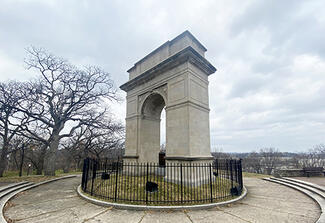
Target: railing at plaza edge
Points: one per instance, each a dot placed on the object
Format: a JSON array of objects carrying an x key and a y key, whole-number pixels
[{"x": 170, "y": 184}]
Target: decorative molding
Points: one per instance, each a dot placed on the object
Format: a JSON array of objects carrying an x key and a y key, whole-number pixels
[
  {"x": 168, "y": 43},
  {"x": 182, "y": 158},
  {"x": 187, "y": 54},
  {"x": 131, "y": 157},
  {"x": 161, "y": 90},
  {"x": 190, "y": 103}
]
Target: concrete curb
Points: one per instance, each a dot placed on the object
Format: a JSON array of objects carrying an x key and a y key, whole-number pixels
[
  {"x": 4, "y": 202},
  {"x": 158, "y": 208}
]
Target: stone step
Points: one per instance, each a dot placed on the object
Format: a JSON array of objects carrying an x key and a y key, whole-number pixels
[
  {"x": 16, "y": 190},
  {"x": 12, "y": 189},
  {"x": 306, "y": 183},
  {"x": 11, "y": 186},
  {"x": 8, "y": 193},
  {"x": 311, "y": 189},
  {"x": 302, "y": 188}
]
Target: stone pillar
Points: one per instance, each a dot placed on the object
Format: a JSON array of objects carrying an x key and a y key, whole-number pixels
[
  {"x": 149, "y": 140},
  {"x": 187, "y": 117},
  {"x": 131, "y": 142}
]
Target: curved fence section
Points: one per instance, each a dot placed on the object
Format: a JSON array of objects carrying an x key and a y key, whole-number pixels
[{"x": 170, "y": 184}]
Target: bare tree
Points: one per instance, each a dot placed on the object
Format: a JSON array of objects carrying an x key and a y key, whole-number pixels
[
  {"x": 107, "y": 136},
  {"x": 20, "y": 144},
  {"x": 315, "y": 157},
  {"x": 35, "y": 155},
  {"x": 10, "y": 124},
  {"x": 295, "y": 161},
  {"x": 103, "y": 139},
  {"x": 63, "y": 97},
  {"x": 253, "y": 163},
  {"x": 270, "y": 159},
  {"x": 218, "y": 153}
]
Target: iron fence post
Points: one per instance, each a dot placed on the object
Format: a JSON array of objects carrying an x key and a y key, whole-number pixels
[
  {"x": 84, "y": 175},
  {"x": 231, "y": 174},
  {"x": 240, "y": 174},
  {"x": 227, "y": 168},
  {"x": 146, "y": 184},
  {"x": 235, "y": 170},
  {"x": 105, "y": 166},
  {"x": 87, "y": 173},
  {"x": 210, "y": 179},
  {"x": 181, "y": 183},
  {"x": 93, "y": 177},
  {"x": 217, "y": 167},
  {"x": 115, "y": 196}
]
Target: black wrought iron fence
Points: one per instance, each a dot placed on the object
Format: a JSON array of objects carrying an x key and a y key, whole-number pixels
[{"x": 153, "y": 184}]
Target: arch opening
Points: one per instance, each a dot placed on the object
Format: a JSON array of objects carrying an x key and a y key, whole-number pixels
[
  {"x": 150, "y": 128},
  {"x": 153, "y": 106}
]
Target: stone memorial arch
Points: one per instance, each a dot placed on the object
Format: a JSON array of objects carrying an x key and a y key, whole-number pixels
[{"x": 174, "y": 77}]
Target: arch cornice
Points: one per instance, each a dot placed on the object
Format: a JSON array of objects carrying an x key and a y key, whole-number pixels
[{"x": 187, "y": 54}]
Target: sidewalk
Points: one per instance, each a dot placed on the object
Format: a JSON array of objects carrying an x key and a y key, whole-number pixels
[{"x": 266, "y": 202}]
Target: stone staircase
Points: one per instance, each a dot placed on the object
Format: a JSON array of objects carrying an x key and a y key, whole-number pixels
[
  {"x": 316, "y": 192},
  {"x": 9, "y": 191}
]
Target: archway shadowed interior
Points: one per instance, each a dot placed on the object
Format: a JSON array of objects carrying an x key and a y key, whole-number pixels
[
  {"x": 150, "y": 128},
  {"x": 153, "y": 106}
]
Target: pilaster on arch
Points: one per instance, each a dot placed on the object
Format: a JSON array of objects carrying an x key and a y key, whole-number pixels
[{"x": 178, "y": 72}]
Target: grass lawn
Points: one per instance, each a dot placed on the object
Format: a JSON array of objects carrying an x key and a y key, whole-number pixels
[
  {"x": 132, "y": 190},
  {"x": 13, "y": 176},
  {"x": 255, "y": 175}
]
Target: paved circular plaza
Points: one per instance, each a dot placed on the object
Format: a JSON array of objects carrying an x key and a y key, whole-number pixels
[{"x": 58, "y": 202}]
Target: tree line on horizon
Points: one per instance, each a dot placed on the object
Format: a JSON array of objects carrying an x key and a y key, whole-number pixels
[
  {"x": 266, "y": 160},
  {"x": 58, "y": 118}
]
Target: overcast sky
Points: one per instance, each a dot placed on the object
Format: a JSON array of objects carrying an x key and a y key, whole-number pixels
[{"x": 269, "y": 90}]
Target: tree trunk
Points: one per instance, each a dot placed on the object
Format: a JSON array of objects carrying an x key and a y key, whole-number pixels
[
  {"x": 22, "y": 156},
  {"x": 39, "y": 169},
  {"x": 40, "y": 161},
  {"x": 78, "y": 166},
  {"x": 3, "y": 159},
  {"x": 51, "y": 156},
  {"x": 14, "y": 155},
  {"x": 67, "y": 164}
]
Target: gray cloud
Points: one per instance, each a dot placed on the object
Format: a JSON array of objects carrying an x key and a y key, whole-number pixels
[{"x": 270, "y": 56}]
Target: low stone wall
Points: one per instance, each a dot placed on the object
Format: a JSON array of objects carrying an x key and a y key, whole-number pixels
[
  {"x": 289, "y": 173},
  {"x": 306, "y": 172}
]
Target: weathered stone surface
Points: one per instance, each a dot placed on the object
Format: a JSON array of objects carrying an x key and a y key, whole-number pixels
[
  {"x": 289, "y": 172},
  {"x": 174, "y": 76}
]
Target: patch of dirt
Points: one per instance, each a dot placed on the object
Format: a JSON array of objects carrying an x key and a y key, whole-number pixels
[{"x": 7, "y": 206}]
